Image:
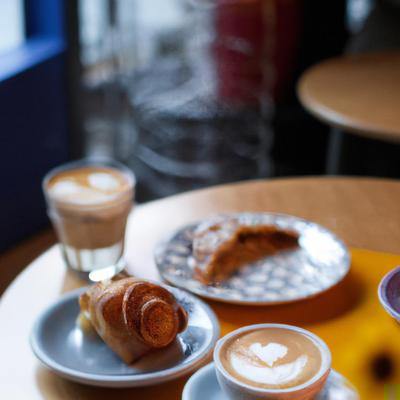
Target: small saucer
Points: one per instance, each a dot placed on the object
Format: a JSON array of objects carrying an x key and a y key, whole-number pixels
[
  {"x": 389, "y": 293},
  {"x": 204, "y": 385},
  {"x": 61, "y": 345}
]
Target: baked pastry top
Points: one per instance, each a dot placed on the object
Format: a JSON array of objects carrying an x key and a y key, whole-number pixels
[
  {"x": 223, "y": 244},
  {"x": 132, "y": 316}
]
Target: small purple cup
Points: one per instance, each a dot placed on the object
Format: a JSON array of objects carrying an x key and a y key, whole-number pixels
[{"x": 389, "y": 293}]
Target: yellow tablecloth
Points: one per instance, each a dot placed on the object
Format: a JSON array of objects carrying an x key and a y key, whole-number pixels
[{"x": 364, "y": 340}]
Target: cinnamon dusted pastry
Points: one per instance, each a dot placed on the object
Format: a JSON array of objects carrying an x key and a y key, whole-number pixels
[
  {"x": 133, "y": 316},
  {"x": 225, "y": 243}
]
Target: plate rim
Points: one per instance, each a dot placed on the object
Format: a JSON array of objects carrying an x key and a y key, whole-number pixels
[
  {"x": 250, "y": 302},
  {"x": 106, "y": 380},
  {"x": 205, "y": 370}
]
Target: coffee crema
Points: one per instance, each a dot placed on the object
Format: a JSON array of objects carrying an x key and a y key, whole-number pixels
[
  {"x": 88, "y": 186},
  {"x": 271, "y": 358}
]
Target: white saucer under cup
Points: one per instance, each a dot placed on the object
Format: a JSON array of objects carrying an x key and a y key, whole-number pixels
[{"x": 203, "y": 385}]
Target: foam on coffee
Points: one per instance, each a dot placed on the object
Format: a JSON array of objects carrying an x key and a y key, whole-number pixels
[
  {"x": 88, "y": 186},
  {"x": 271, "y": 358}
]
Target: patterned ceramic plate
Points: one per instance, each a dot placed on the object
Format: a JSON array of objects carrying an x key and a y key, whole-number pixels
[
  {"x": 204, "y": 385},
  {"x": 320, "y": 262}
]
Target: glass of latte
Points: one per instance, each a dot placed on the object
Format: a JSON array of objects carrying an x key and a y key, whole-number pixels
[
  {"x": 88, "y": 203},
  {"x": 272, "y": 361}
]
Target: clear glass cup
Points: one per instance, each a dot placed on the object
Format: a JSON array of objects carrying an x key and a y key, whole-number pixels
[{"x": 91, "y": 232}]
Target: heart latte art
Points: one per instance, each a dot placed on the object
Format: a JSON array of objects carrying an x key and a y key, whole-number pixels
[{"x": 272, "y": 358}]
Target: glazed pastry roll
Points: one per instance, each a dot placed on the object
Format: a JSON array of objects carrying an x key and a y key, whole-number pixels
[{"x": 133, "y": 316}]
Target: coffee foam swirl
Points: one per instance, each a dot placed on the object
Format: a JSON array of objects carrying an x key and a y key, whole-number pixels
[
  {"x": 103, "y": 181},
  {"x": 268, "y": 374},
  {"x": 269, "y": 353},
  {"x": 73, "y": 192},
  {"x": 272, "y": 358},
  {"x": 87, "y": 186}
]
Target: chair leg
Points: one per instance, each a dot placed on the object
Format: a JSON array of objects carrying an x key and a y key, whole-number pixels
[{"x": 334, "y": 150}]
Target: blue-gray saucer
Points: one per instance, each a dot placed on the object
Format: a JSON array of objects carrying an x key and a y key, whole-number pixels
[
  {"x": 60, "y": 344},
  {"x": 204, "y": 385}
]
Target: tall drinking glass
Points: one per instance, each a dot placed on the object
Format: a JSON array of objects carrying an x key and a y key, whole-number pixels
[{"x": 88, "y": 203}]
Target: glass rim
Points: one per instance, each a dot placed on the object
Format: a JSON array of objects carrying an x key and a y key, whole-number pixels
[{"x": 87, "y": 162}]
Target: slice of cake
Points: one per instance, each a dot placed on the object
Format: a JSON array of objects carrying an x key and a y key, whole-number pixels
[{"x": 225, "y": 243}]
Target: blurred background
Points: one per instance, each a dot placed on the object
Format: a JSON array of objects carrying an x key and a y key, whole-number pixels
[{"x": 187, "y": 93}]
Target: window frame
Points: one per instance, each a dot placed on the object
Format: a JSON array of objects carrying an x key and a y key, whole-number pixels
[
  {"x": 35, "y": 115},
  {"x": 44, "y": 38}
]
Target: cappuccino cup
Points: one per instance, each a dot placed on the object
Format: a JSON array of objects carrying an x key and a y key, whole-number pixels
[
  {"x": 88, "y": 203},
  {"x": 272, "y": 361}
]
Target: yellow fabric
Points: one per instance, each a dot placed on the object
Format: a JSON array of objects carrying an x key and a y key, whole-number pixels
[{"x": 363, "y": 338}]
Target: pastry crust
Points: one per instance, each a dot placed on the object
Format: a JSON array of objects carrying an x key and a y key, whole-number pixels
[
  {"x": 222, "y": 245},
  {"x": 133, "y": 316}
]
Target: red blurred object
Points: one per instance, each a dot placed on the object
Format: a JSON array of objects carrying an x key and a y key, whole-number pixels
[
  {"x": 255, "y": 47},
  {"x": 288, "y": 30}
]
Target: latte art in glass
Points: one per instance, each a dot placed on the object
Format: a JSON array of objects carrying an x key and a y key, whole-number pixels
[
  {"x": 89, "y": 205},
  {"x": 88, "y": 186},
  {"x": 272, "y": 358}
]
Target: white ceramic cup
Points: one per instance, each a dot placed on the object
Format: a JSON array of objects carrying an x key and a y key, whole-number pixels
[{"x": 237, "y": 390}]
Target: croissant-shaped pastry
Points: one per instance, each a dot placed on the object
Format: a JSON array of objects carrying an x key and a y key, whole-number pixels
[{"x": 133, "y": 316}]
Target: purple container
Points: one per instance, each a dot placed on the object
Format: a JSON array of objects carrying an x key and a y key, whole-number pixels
[{"x": 389, "y": 293}]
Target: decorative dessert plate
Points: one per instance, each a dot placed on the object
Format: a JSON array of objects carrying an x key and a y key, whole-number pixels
[
  {"x": 204, "y": 385},
  {"x": 319, "y": 262},
  {"x": 60, "y": 344}
]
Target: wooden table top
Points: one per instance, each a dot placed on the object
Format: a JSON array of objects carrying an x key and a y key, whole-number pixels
[
  {"x": 357, "y": 93},
  {"x": 364, "y": 212}
]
